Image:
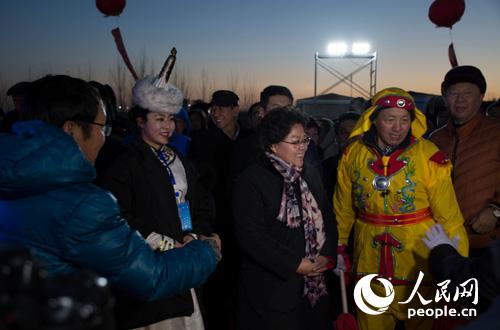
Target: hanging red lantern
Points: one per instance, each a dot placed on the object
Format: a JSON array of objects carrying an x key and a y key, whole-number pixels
[
  {"x": 445, "y": 13},
  {"x": 110, "y": 7}
]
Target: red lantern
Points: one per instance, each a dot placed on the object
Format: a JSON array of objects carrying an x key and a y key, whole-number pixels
[
  {"x": 110, "y": 7},
  {"x": 445, "y": 13}
]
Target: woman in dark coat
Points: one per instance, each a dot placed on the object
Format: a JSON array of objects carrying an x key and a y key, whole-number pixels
[
  {"x": 286, "y": 230},
  {"x": 160, "y": 196}
]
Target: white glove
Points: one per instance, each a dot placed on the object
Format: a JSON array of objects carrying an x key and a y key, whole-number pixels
[
  {"x": 341, "y": 266},
  {"x": 160, "y": 242},
  {"x": 437, "y": 236}
]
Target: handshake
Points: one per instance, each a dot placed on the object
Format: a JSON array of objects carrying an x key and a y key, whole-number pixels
[
  {"x": 159, "y": 242},
  {"x": 214, "y": 241}
]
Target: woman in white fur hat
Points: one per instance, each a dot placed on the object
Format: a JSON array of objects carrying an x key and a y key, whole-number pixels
[{"x": 160, "y": 196}]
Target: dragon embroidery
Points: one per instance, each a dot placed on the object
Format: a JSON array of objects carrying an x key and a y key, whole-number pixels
[{"x": 408, "y": 192}]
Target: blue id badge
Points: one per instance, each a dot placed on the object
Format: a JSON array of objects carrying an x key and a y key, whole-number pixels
[{"x": 185, "y": 216}]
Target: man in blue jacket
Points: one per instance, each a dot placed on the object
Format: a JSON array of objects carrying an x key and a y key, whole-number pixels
[{"x": 48, "y": 201}]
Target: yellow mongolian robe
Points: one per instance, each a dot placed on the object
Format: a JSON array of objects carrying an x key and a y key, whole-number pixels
[{"x": 389, "y": 224}]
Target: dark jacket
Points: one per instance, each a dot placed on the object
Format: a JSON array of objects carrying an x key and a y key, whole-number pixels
[
  {"x": 330, "y": 166},
  {"x": 47, "y": 202},
  {"x": 146, "y": 196},
  {"x": 271, "y": 292},
  {"x": 447, "y": 264},
  {"x": 211, "y": 152}
]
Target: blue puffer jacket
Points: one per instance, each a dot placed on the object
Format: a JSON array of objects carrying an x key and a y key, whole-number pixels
[{"x": 47, "y": 202}]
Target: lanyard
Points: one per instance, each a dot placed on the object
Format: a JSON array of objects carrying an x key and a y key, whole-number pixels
[{"x": 167, "y": 156}]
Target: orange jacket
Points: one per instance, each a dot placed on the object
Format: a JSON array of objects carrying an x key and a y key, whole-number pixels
[{"x": 474, "y": 150}]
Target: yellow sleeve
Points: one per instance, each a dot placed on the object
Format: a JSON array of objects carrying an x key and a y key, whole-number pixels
[
  {"x": 342, "y": 201},
  {"x": 444, "y": 205}
]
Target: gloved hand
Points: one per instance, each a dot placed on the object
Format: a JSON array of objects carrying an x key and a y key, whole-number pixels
[
  {"x": 343, "y": 263},
  {"x": 436, "y": 236},
  {"x": 160, "y": 242}
]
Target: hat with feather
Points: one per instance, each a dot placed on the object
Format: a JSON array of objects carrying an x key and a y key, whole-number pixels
[{"x": 155, "y": 93}]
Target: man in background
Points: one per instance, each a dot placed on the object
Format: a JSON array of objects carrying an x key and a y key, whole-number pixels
[{"x": 472, "y": 142}]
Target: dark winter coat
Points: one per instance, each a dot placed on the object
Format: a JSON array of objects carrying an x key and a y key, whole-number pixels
[
  {"x": 146, "y": 196},
  {"x": 270, "y": 291},
  {"x": 447, "y": 264},
  {"x": 211, "y": 152}
]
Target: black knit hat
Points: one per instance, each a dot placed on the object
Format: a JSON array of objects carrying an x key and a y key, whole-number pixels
[{"x": 464, "y": 73}]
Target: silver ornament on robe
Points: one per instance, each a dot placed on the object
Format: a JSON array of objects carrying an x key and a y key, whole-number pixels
[{"x": 381, "y": 183}]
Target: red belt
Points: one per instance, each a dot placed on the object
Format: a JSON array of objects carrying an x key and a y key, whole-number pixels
[
  {"x": 394, "y": 281},
  {"x": 396, "y": 220}
]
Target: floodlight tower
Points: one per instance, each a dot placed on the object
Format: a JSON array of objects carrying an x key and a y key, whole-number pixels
[{"x": 341, "y": 51}]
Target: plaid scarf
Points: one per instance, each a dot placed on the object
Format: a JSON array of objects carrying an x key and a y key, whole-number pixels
[{"x": 311, "y": 219}]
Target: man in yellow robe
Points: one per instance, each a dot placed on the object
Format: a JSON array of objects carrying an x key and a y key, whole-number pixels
[{"x": 393, "y": 185}]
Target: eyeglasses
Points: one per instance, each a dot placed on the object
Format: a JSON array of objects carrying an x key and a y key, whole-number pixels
[
  {"x": 105, "y": 128},
  {"x": 305, "y": 141}
]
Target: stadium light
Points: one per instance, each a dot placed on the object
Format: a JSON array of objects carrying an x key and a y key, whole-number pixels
[
  {"x": 337, "y": 49},
  {"x": 360, "y": 48}
]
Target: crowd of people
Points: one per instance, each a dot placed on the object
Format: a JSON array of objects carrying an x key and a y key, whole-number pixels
[{"x": 205, "y": 216}]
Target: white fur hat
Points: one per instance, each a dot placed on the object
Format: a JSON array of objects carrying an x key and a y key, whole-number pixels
[{"x": 156, "y": 94}]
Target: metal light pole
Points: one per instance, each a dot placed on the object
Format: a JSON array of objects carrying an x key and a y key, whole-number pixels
[{"x": 323, "y": 62}]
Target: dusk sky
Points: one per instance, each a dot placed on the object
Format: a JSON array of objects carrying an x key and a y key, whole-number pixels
[{"x": 252, "y": 43}]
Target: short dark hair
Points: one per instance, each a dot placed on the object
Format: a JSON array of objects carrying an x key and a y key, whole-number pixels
[
  {"x": 276, "y": 125},
  {"x": 137, "y": 112},
  {"x": 312, "y": 123},
  {"x": 200, "y": 104},
  {"x": 252, "y": 110},
  {"x": 19, "y": 89},
  {"x": 200, "y": 114},
  {"x": 274, "y": 90},
  {"x": 60, "y": 98},
  {"x": 349, "y": 116},
  {"x": 108, "y": 97},
  {"x": 224, "y": 98}
]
